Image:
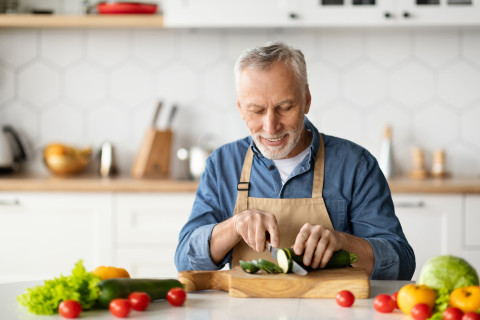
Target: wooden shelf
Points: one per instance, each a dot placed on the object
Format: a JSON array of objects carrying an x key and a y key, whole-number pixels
[{"x": 73, "y": 21}]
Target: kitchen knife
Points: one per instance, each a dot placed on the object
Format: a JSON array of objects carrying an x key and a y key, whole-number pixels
[{"x": 296, "y": 268}]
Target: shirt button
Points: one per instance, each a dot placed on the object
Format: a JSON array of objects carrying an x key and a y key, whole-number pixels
[{"x": 271, "y": 167}]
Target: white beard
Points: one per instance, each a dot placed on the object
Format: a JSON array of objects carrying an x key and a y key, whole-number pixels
[{"x": 280, "y": 152}]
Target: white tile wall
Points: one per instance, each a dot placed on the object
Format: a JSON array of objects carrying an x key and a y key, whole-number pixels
[{"x": 87, "y": 86}]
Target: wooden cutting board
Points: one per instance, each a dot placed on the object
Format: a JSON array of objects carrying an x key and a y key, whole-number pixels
[{"x": 316, "y": 284}]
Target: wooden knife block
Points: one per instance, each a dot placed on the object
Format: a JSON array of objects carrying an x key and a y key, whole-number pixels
[{"x": 153, "y": 158}]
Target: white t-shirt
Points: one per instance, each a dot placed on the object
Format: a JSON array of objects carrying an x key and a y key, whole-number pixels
[{"x": 286, "y": 166}]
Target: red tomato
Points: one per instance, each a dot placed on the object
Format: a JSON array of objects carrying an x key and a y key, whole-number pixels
[
  {"x": 421, "y": 311},
  {"x": 176, "y": 296},
  {"x": 345, "y": 298},
  {"x": 384, "y": 303},
  {"x": 452, "y": 314},
  {"x": 69, "y": 309},
  {"x": 139, "y": 300},
  {"x": 119, "y": 307},
  {"x": 394, "y": 298},
  {"x": 471, "y": 315}
]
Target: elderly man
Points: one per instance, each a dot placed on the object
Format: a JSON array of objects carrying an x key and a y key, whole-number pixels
[{"x": 289, "y": 184}]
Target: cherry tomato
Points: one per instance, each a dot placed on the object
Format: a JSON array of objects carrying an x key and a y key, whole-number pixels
[
  {"x": 471, "y": 315},
  {"x": 384, "y": 303},
  {"x": 345, "y": 298},
  {"x": 139, "y": 300},
  {"x": 119, "y": 307},
  {"x": 452, "y": 314},
  {"x": 421, "y": 311},
  {"x": 69, "y": 309},
  {"x": 176, "y": 296},
  {"x": 394, "y": 298}
]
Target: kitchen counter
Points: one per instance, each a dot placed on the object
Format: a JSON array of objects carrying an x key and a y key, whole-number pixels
[
  {"x": 91, "y": 183},
  {"x": 219, "y": 305}
]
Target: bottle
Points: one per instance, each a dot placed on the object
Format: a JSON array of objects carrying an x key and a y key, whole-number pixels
[{"x": 385, "y": 160}]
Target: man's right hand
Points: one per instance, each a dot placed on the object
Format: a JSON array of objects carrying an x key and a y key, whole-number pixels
[{"x": 253, "y": 225}]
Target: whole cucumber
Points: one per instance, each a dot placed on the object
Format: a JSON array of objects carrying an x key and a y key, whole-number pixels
[
  {"x": 121, "y": 287},
  {"x": 339, "y": 259}
]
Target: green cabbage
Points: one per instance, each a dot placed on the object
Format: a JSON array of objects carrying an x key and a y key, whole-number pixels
[
  {"x": 445, "y": 274},
  {"x": 81, "y": 286}
]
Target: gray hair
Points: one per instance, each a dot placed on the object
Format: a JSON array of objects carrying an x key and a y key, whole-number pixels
[{"x": 262, "y": 58}]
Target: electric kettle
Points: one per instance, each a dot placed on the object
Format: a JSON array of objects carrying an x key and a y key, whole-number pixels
[{"x": 12, "y": 152}]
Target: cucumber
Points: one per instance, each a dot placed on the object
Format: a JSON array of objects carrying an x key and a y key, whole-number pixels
[
  {"x": 248, "y": 266},
  {"x": 267, "y": 266},
  {"x": 121, "y": 287},
  {"x": 339, "y": 259}
]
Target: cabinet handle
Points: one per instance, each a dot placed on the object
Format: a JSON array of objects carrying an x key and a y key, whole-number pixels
[
  {"x": 15, "y": 202},
  {"x": 407, "y": 204},
  {"x": 406, "y": 15},
  {"x": 293, "y": 15},
  {"x": 387, "y": 15}
]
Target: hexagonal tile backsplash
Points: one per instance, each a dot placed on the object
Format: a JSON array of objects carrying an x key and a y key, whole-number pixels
[{"x": 87, "y": 86}]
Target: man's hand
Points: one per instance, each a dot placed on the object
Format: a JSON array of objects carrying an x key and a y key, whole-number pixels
[
  {"x": 317, "y": 245},
  {"x": 253, "y": 224}
]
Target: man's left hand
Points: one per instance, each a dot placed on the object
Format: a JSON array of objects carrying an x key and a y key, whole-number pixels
[{"x": 317, "y": 245}]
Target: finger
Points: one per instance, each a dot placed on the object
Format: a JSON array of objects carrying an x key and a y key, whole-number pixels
[
  {"x": 311, "y": 246},
  {"x": 260, "y": 238},
  {"x": 320, "y": 251},
  {"x": 274, "y": 233},
  {"x": 251, "y": 236},
  {"x": 301, "y": 239},
  {"x": 326, "y": 256}
]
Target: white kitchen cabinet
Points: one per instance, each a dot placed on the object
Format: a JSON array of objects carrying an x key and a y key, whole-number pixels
[
  {"x": 432, "y": 224},
  {"x": 230, "y": 13},
  {"x": 146, "y": 231},
  {"x": 43, "y": 234},
  {"x": 471, "y": 226},
  {"x": 320, "y": 13}
]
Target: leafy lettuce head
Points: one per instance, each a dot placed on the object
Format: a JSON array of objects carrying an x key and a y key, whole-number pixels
[{"x": 447, "y": 273}]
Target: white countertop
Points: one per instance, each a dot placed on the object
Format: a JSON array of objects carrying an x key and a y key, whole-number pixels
[{"x": 219, "y": 305}]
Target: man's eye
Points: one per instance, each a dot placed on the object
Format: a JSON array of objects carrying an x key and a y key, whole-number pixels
[{"x": 286, "y": 108}]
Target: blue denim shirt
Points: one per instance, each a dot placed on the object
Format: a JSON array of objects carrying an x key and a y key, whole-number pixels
[{"x": 355, "y": 191}]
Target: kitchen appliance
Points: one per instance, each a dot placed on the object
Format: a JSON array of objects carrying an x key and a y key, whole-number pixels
[
  {"x": 12, "y": 151},
  {"x": 106, "y": 160},
  {"x": 197, "y": 159},
  {"x": 324, "y": 283}
]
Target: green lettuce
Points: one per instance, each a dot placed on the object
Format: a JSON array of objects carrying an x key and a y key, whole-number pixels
[
  {"x": 445, "y": 274},
  {"x": 81, "y": 286}
]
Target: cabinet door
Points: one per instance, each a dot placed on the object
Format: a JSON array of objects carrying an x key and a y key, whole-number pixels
[
  {"x": 472, "y": 234},
  {"x": 42, "y": 235},
  {"x": 229, "y": 13},
  {"x": 439, "y": 12},
  {"x": 147, "y": 229},
  {"x": 431, "y": 223},
  {"x": 346, "y": 12}
]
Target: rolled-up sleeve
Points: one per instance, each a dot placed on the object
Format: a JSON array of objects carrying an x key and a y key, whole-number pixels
[
  {"x": 193, "y": 250},
  {"x": 373, "y": 218}
]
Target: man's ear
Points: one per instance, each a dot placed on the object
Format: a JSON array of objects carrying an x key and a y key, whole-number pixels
[
  {"x": 308, "y": 99},
  {"x": 240, "y": 109}
]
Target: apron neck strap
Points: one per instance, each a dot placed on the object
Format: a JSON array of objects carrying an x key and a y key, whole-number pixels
[{"x": 318, "y": 174}]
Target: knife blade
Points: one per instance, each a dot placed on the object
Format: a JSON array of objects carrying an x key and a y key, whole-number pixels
[{"x": 296, "y": 268}]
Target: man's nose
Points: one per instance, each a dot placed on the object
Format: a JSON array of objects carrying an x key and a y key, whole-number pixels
[{"x": 271, "y": 122}]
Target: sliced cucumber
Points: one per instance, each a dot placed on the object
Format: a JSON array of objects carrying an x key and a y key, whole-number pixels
[
  {"x": 248, "y": 266},
  {"x": 267, "y": 266},
  {"x": 284, "y": 260}
]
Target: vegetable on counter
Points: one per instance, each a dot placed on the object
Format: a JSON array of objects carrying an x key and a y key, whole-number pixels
[
  {"x": 111, "y": 289},
  {"x": 339, "y": 259},
  {"x": 110, "y": 272},
  {"x": 444, "y": 274},
  {"x": 411, "y": 294},
  {"x": 81, "y": 286}
]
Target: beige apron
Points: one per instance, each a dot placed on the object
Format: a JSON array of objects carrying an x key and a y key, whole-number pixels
[{"x": 291, "y": 214}]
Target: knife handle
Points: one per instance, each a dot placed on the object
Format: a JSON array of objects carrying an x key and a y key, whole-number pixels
[{"x": 204, "y": 280}]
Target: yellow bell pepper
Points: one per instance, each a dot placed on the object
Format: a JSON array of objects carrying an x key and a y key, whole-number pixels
[{"x": 107, "y": 272}]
